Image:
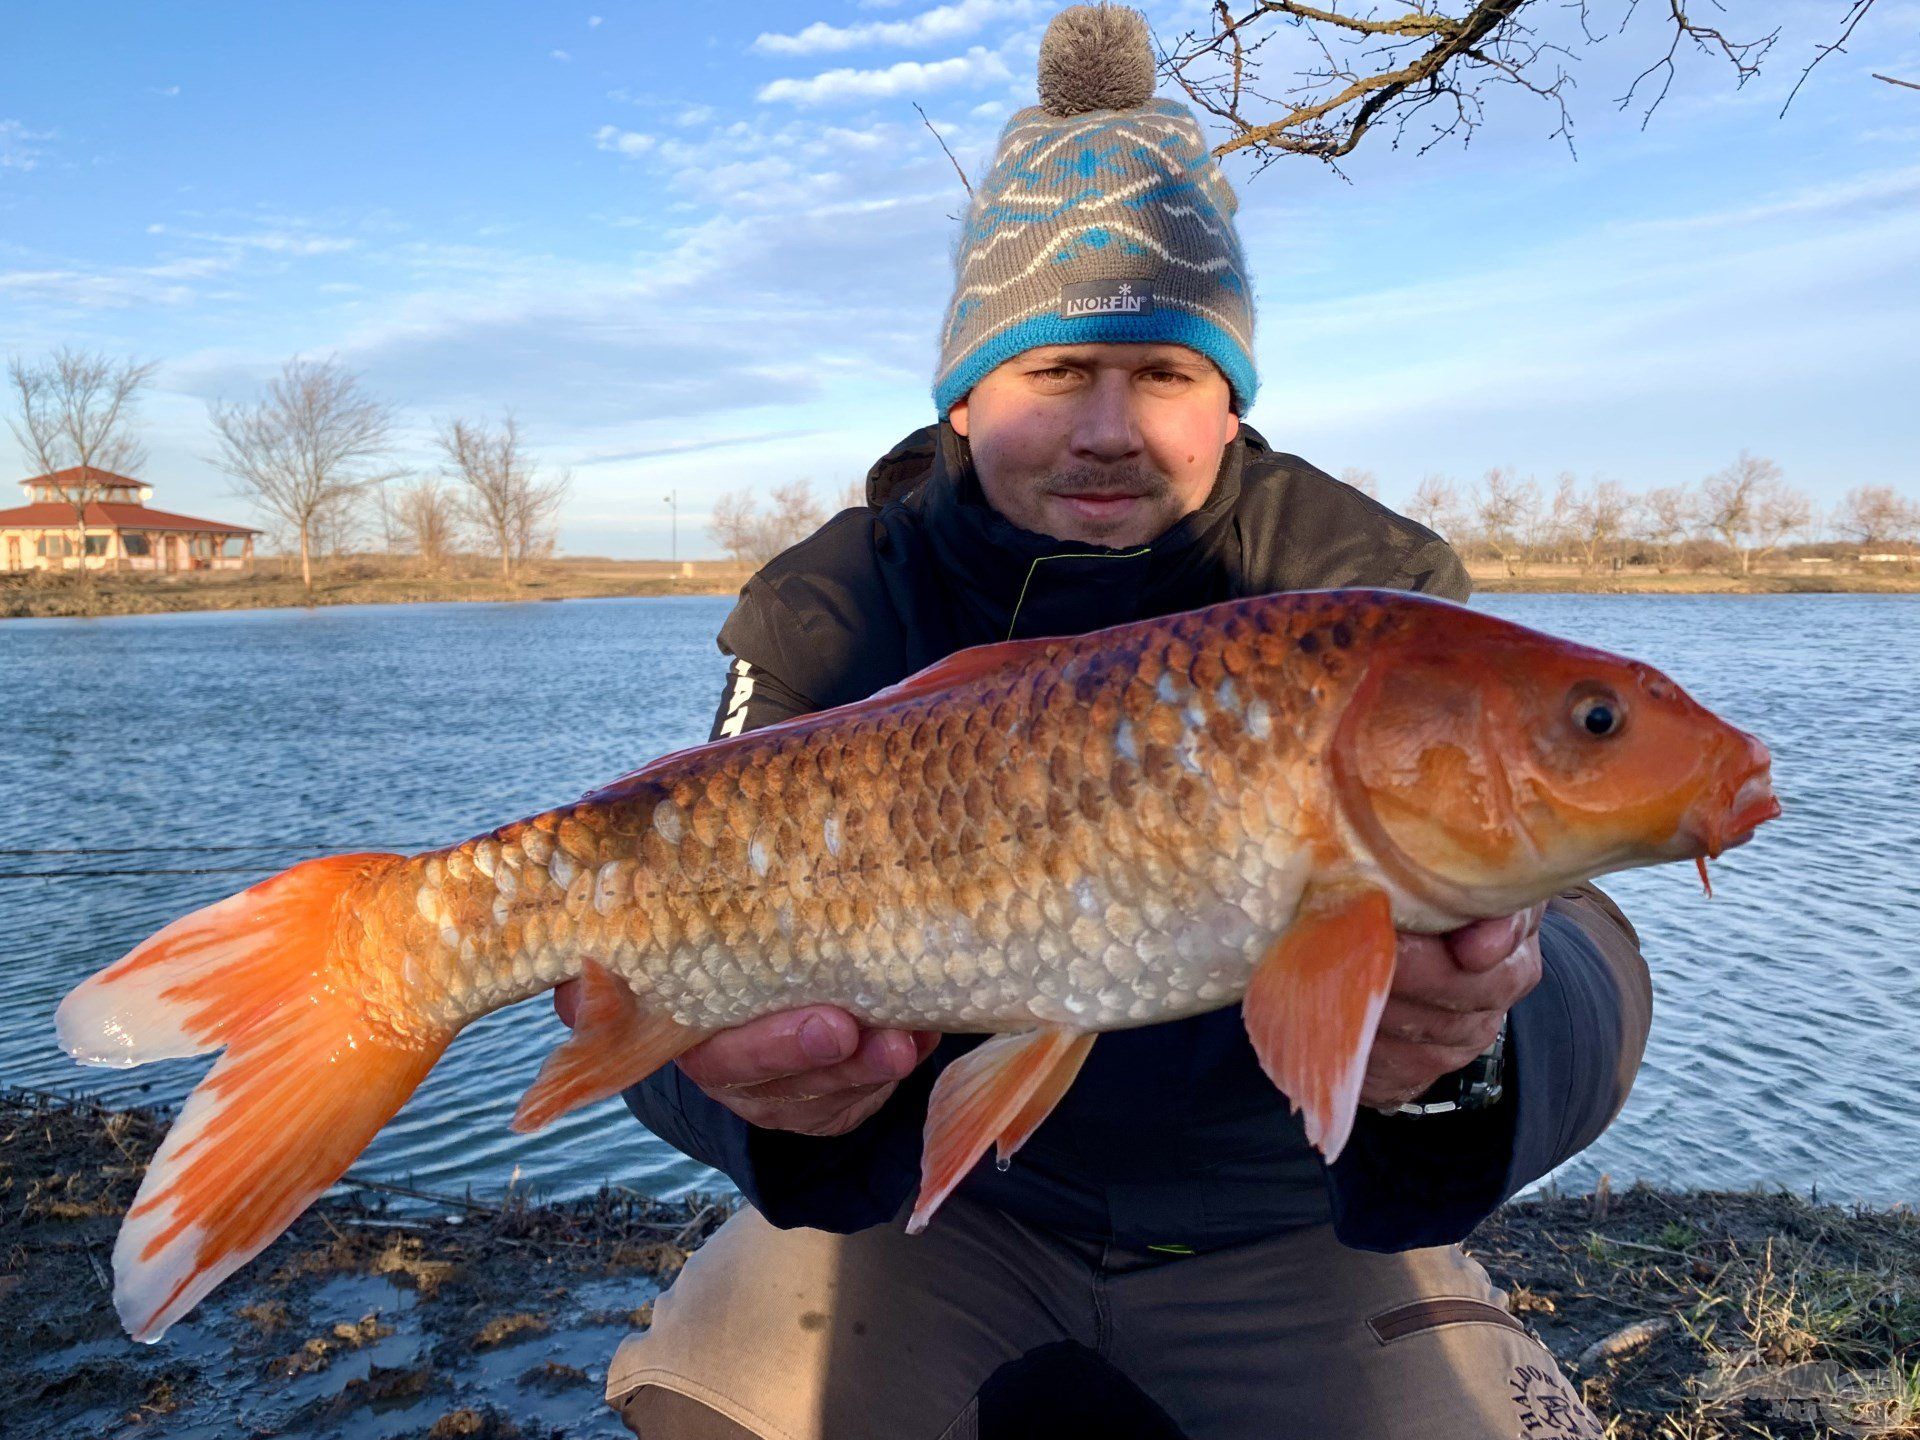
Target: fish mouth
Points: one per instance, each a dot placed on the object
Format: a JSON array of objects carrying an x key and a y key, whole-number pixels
[{"x": 1732, "y": 824}]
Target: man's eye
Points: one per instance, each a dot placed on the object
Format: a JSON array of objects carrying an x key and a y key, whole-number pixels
[
  {"x": 1053, "y": 372},
  {"x": 1166, "y": 377}
]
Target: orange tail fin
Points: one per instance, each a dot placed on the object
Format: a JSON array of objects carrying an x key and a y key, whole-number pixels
[{"x": 307, "y": 1078}]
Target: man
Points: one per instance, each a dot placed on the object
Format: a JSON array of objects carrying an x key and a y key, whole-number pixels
[{"x": 1166, "y": 1256}]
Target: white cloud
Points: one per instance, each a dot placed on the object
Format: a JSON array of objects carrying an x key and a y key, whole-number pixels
[
  {"x": 295, "y": 240},
  {"x": 622, "y": 142},
  {"x": 1887, "y": 189},
  {"x": 943, "y": 23},
  {"x": 694, "y": 115},
  {"x": 594, "y": 22},
  {"x": 92, "y": 290},
  {"x": 19, "y": 149},
  {"x": 909, "y": 77},
  {"x": 169, "y": 91},
  {"x": 558, "y": 55}
]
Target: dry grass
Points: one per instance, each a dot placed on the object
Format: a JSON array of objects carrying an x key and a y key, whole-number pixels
[
  {"x": 1712, "y": 1316},
  {"x": 355, "y": 580}
]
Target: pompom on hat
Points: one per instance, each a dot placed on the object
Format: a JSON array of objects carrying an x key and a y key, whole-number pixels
[{"x": 1104, "y": 218}]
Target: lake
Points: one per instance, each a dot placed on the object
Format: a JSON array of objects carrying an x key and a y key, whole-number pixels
[{"x": 1784, "y": 1044}]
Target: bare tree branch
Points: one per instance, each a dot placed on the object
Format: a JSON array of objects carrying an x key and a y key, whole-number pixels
[
  {"x": 1346, "y": 71},
  {"x": 1891, "y": 81},
  {"x": 941, "y": 139},
  {"x": 75, "y": 422},
  {"x": 303, "y": 452},
  {"x": 505, "y": 496},
  {"x": 1855, "y": 14}
]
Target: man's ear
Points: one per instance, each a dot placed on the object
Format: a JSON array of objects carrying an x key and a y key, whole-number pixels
[
  {"x": 1233, "y": 427},
  {"x": 957, "y": 417}
]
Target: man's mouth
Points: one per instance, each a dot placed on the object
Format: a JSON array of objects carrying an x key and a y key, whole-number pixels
[{"x": 1099, "y": 504}]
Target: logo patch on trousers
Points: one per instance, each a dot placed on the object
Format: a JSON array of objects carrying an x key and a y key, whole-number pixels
[
  {"x": 1105, "y": 297},
  {"x": 1548, "y": 1408}
]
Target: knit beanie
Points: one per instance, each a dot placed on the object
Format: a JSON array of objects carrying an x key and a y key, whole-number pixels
[{"x": 1104, "y": 218}]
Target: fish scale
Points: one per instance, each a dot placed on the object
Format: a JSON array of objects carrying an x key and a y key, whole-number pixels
[
  {"x": 1037, "y": 841},
  {"x": 726, "y": 885}
]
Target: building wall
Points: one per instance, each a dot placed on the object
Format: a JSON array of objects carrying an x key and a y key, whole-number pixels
[{"x": 167, "y": 551}]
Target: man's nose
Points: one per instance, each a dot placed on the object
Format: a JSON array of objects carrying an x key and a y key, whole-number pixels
[{"x": 1104, "y": 429}]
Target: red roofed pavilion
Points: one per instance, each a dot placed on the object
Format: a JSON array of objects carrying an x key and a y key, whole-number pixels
[{"x": 121, "y": 533}]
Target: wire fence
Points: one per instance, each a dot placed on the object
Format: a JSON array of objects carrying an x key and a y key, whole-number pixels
[{"x": 13, "y": 858}]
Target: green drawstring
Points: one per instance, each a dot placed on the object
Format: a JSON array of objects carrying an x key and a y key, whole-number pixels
[{"x": 1082, "y": 555}]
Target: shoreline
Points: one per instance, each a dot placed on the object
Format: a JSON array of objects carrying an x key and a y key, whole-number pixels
[
  {"x": 377, "y": 581},
  {"x": 1707, "y": 1314}
]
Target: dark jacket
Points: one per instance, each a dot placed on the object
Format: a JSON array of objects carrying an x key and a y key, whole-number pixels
[{"x": 1171, "y": 1135}]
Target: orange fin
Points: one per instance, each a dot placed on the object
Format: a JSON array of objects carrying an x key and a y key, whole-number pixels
[
  {"x": 308, "y": 1077},
  {"x": 1315, "y": 1001},
  {"x": 999, "y": 1092},
  {"x": 614, "y": 1044}
]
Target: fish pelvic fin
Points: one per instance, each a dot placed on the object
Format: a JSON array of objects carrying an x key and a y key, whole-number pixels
[
  {"x": 310, "y": 1073},
  {"x": 1314, "y": 1004},
  {"x": 999, "y": 1092},
  {"x": 615, "y": 1043}
]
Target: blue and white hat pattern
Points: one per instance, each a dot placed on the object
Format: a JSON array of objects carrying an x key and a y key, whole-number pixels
[{"x": 1108, "y": 225}]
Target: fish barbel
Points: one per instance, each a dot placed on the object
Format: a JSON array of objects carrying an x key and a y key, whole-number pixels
[{"x": 1037, "y": 840}]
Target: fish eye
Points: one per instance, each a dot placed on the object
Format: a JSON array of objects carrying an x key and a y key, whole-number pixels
[{"x": 1599, "y": 715}]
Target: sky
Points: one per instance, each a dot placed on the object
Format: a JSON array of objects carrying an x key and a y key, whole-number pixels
[{"x": 696, "y": 249}]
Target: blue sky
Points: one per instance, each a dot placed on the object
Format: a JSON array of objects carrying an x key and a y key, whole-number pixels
[{"x": 700, "y": 248}]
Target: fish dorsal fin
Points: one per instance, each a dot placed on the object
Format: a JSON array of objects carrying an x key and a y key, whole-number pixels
[
  {"x": 959, "y": 668},
  {"x": 1314, "y": 1003},
  {"x": 614, "y": 1044}
]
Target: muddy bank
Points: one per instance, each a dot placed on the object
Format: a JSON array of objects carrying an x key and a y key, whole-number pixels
[
  {"x": 1683, "y": 1316},
  {"x": 374, "y": 1316}
]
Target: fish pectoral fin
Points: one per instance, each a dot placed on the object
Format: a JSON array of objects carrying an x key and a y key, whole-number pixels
[
  {"x": 997, "y": 1093},
  {"x": 615, "y": 1043},
  {"x": 1314, "y": 1003}
]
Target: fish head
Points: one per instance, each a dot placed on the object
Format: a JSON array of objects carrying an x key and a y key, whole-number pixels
[{"x": 1486, "y": 766}]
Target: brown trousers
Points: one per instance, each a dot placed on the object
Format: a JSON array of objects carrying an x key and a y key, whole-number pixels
[{"x": 804, "y": 1335}]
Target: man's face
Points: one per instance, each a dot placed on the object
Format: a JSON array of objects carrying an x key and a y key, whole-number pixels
[{"x": 1101, "y": 444}]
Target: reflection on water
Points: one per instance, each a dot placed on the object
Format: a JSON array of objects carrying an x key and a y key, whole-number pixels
[{"x": 1783, "y": 1039}]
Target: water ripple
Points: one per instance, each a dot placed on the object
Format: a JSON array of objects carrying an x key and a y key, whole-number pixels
[{"x": 1783, "y": 1043}]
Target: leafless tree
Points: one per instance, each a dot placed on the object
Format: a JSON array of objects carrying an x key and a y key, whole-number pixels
[
  {"x": 1365, "y": 481},
  {"x": 306, "y": 450},
  {"x": 854, "y": 497},
  {"x": 1876, "y": 516},
  {"x": 1598, "y": 520},
  {"x": 1435, "y": 504},
  {"x": 426, "y": 517},
  {"x": 1291, "y": 77},
  {"x": 505, "y": 495},
  {"x": 1667, "y": 516},
  {"x": 753, "y": 536},
  {"x": 74, "y": 419},
  {"x": 1508, "y": 510},
  {"x": 1782, "y": 513},
  {"x": 1731, "y": 501}
]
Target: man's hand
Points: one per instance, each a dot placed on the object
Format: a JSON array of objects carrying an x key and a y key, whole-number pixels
[
  {"x": 811, "y": 1071},
  {"x": 1450, "y": 996}
]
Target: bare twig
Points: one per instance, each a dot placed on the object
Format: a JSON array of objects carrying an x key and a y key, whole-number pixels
[
  {"x": 1393, "y": 62},
  {"x": 943, "y": 145},
  {"x": 1891, "y": 81},
  {"x": 1855, "y": 15}
]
